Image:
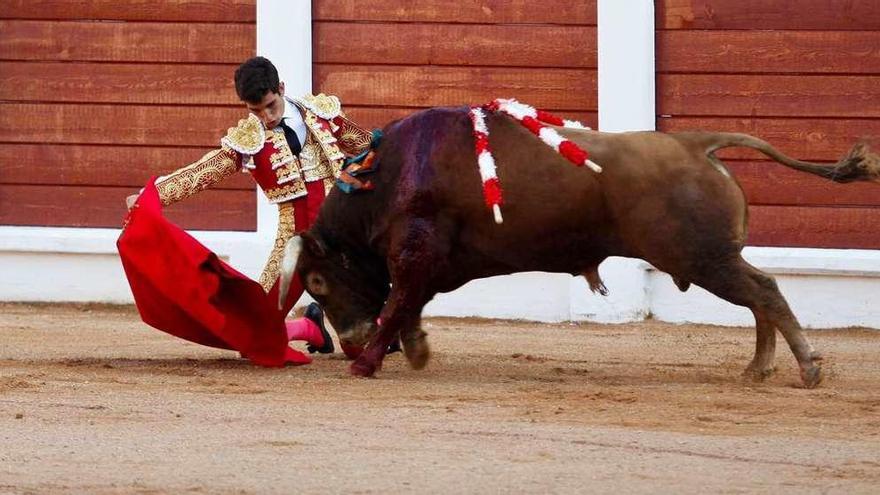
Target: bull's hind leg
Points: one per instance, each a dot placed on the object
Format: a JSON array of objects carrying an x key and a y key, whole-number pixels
[
  {"x": 413, "y": 257},
  {"x": 738, "y": 282},
  {"x": 415, "y": 347},
  {"x": 762, "y": 366}
]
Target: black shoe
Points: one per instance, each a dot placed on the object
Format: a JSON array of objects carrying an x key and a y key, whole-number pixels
[
  {"x": 394, "y": 347},
  {"x": 314, "y": 313}
]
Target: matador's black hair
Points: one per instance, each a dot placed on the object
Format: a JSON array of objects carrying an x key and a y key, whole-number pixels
[{"x": 254, "y": 78}]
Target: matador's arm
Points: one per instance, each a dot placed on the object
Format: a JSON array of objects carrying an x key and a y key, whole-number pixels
[
  {"x": 245, "y": 139},
  {"x": 353, "y": 140},
  {"x": 215, "y": 166}
]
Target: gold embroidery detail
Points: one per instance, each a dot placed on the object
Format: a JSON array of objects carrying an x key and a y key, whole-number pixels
[
  {"x": 247, "y": 137},
  {"x": 322, "y": 135},
  {"x": 286, "y": 229},
  {"x": 325, "y": 106},
  {"x": 282, "y": 154},
  {"x": 281, "y": 157},
  {"x": 329, "y": 161},
  {"x": 354, "y": 142},
  {"x": 310, "y": 153},
  {"x": 285, "y": 165},
  {"x": 289, "y": 172},
  {"x": 352, "y": 139},
  {"x": 210, "y": 169},
  {"x": 314, "y": 163},
  {"x": 292, "y": 190}
]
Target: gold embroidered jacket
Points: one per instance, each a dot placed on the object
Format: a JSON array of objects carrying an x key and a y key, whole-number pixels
[{"x": 266, "y": 154}]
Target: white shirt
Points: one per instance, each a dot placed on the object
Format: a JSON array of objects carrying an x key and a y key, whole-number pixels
[{"x": 293, "y": 119}]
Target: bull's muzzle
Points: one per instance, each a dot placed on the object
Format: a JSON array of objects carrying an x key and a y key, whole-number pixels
[
  {"x": 356, "y": 337},
  {"x": 288, "y": 267}
]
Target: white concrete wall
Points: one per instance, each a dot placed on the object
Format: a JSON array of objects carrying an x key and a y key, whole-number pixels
[
  {"x": 826, "y": 288},
  {"x": 284, "y": 36}
]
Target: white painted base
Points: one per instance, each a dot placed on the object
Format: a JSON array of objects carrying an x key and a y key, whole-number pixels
[
  {"x": 82, "y": 265},
  {"x": 552, "y": 297},
  {"x": 532, "y": 296},
  {"x": 826, "y": 288}
]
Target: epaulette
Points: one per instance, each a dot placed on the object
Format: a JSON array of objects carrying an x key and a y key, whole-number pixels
[
  {"x": 327, "y": 107},
  {"x": 247, "y": 137}
]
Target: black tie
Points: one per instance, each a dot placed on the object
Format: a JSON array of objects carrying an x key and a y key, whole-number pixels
[{"x": 292, "y": 139}]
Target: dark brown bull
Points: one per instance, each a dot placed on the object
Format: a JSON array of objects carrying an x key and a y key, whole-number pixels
[{"x": 664, "y": 198}]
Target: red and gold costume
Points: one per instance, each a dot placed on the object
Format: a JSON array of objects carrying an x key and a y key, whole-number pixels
[{"x": 297, "y": 184}]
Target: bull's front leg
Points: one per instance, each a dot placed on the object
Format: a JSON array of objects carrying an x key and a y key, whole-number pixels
[
  {"x": 400, "y": 313},
  {"x": 412, "y": 261}
]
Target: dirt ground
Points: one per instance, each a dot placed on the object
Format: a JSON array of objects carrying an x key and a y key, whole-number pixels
[{"x": 94, "y": 401}]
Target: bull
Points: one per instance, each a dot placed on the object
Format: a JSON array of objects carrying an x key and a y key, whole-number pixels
[{"x": 374, "y": 260}]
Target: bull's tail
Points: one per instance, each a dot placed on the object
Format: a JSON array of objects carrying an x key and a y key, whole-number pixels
[{"x": 860, "y": 164}]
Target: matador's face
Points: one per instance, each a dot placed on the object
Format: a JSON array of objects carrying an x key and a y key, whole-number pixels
[{"x": 270, "y": 109}]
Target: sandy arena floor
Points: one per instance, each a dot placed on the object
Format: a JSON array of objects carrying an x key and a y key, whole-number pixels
[{"x": 94, "y": 401}]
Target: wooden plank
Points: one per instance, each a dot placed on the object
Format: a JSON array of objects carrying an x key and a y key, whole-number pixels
[
  {"x": 133, "y": 10},
  {"x": 797, "y": 226},
  {"x": 126, "y": 166},
  {"x": 378, "y": 117},
  {"x": 118, "y": 83},
  {"x": 770, "y": 183},
  {"x": 768, "y": 95},
  {"x": 768, "y": 14},
  {"x": 808, "y": 52},
  {"x": 80, "y": 206},
  {"x": 116, "y": 124},
  {"x": 456, "y": 11},
  {"x": 416, "y": 44},
  {"x": 806, "y": 139},
  {"x": 556, "y": 89},
  {"x": 126, "y": 41}
]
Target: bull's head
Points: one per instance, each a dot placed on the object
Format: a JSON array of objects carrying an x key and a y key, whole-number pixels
[{"x": 350, "y": 285}]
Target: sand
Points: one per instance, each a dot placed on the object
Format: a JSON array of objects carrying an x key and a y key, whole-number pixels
[{"x": 94, "y": 401}]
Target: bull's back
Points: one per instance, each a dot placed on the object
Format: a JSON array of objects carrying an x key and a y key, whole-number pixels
[
  {"x": 554, "y": 213},
  {"x": 557, "y": 217}
]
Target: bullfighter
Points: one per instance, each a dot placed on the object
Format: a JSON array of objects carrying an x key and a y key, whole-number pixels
[{"x": 294, "y": 148}]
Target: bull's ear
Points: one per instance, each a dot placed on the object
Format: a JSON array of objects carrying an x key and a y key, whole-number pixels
[{"x": 314, "y": 245}]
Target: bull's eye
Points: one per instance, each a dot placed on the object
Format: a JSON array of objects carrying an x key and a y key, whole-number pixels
[{"x": 316, "y": 284}]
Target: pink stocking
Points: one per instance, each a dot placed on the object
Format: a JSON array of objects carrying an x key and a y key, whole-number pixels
[{"x": 304, "y": 329}]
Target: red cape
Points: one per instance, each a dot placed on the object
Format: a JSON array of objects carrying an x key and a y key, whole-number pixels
[{"x": 182, "y": 288}]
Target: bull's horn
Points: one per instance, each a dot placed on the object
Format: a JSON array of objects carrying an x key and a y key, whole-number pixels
[{"x": 288, "y": 265}]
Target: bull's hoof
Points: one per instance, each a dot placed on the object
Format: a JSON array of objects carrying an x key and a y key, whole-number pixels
[
  {"x": 811, "y": 376},
  {"x": 757, "y": 374},
  {"x": 364, "y": 368},
  {"x": 417, "y": 352}
]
